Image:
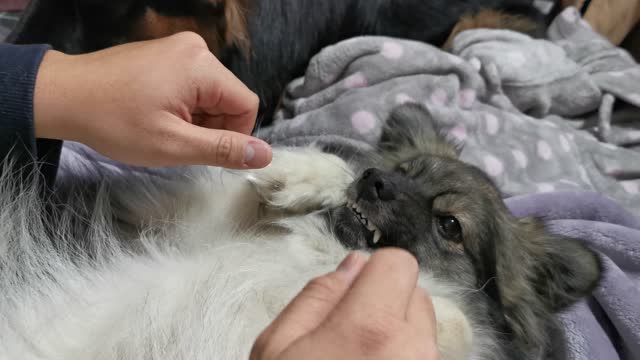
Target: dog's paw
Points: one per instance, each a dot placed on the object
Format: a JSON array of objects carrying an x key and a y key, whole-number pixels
[{"x": 302, "y": 180}]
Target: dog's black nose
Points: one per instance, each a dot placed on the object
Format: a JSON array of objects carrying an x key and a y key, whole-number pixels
[{"x": 375, "y": 185}]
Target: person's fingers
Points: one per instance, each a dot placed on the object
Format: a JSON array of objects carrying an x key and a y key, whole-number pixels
[
  {"x": 308, "y": 309},
  {"x": 421, "y": 315},
  {"x": 190, "y": 144},
  {"x": 222, "y": 93},
  {"x": 385, "y": 286},
  {"x": 223, "y": 121}
]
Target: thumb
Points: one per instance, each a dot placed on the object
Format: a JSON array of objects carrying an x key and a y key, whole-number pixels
[
  {"x": 308, "y": 309},
  {"x": 224, "y": 148}
]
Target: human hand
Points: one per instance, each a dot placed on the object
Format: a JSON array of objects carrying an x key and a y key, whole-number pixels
[
  {"x": 363, "y": 310},
  {"x": 154, "y": 103}
]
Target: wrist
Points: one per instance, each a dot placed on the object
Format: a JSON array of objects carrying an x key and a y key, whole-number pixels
[{"x": 54, "y": 96}]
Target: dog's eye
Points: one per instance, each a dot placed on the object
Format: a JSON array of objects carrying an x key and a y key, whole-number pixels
[{"x": 449, "y": 228}]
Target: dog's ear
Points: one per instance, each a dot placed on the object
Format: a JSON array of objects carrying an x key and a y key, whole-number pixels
[
  {"x": 539, "y": 274},
  {"x": 566, "y": 272},
  {"x": 411, "y": 129}
]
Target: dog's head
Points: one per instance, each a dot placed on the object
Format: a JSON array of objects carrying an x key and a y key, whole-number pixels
[{"x": 452, "y": 218}]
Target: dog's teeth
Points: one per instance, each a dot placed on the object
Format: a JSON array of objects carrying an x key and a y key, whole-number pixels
[{"x": 376, "y": 236}]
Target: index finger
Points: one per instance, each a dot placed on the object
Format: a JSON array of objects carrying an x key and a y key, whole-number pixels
[
  {"x": 387, "y": 283},
  {"x": 221, "y": 93}
]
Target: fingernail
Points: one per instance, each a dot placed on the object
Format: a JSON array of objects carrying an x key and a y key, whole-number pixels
[
  {"x": 351, "y": 265},
  {"x": 348, "y": 263},
  {"x": 257, "y": 154}
]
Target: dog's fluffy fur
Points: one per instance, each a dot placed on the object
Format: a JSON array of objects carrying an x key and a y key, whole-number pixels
[
  {"x": 194, "y": 267},
  {"x": 266, "y": 43}
]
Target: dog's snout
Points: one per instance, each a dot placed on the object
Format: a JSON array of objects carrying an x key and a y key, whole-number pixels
[{"x": 375, "y": 185}]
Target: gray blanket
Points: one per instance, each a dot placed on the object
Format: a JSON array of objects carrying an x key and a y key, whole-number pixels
[{"x": 522, "y": 107}]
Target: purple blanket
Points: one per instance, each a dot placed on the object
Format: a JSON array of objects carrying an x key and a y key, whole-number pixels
[{"x": 607, "y": 326}]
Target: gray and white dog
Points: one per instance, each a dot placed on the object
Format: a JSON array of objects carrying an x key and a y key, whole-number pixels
[{"x": 195, "y": 267}]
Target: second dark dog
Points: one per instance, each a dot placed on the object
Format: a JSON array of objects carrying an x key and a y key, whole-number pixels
[{"x": 266, "y": 43}]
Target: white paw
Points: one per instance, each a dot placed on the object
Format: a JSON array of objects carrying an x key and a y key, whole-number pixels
[{"x": 302, "y": 180}]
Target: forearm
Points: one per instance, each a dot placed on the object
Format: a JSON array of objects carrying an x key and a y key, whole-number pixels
[{"x": 62, "y": 96}]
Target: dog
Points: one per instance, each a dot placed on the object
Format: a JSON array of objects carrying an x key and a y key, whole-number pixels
[
  {"x": 195, "y": 265},
  {"x": 266, "y": 43}
]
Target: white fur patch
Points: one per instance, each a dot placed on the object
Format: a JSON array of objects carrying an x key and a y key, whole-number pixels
[{"x": 303, "y": 180}]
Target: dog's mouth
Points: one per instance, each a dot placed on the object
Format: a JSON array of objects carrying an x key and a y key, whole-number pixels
[{"x": 373, "y": 232}]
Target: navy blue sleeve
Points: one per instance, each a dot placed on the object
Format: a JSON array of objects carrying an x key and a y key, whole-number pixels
[{"x": 18, "y": 70}]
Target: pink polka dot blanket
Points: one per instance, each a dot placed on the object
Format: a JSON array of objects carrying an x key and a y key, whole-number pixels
[{"x": 537, "y": 115}]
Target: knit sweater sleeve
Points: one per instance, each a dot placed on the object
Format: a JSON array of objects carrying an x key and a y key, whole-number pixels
[{"x": 18, "y": 145}]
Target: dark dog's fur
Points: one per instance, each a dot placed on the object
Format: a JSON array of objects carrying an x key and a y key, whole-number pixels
[{"x": 266, "y": 43}]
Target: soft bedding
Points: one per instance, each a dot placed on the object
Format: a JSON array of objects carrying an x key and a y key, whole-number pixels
[
  {"x": 555, "y": 123},
  {"x": 521, "y": 107}
]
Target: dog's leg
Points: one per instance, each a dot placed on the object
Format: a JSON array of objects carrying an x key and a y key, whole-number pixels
[{"x": 302, "y": 180}]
